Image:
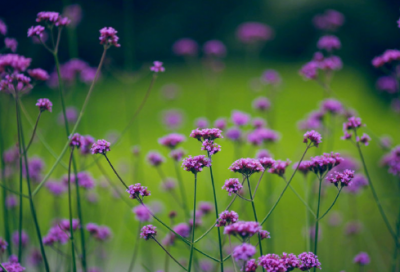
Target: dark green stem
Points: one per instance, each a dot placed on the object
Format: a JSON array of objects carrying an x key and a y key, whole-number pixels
[
  {"x": 135, "y": 250},
  {"x": 34, "y": 132},
  {"x": 20, "y": 181},
  {"x": 112, "y": 167},
  {"x": 317, "y": 221},
  {"x": 193, "y": 225},
  {"x": 71, "y": 230},
  {"x": 182, "y": 189},
  {"x": 333, "y": 203},
  {"x": 169, "y": 254}
]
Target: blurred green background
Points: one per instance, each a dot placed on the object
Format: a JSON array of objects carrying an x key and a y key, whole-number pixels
[{"x": 147, "y": 30}]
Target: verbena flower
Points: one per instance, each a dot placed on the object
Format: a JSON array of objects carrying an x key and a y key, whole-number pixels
[
  {"x": 264, "y": 234},
  {"x": 142, "y": 213},
  {"x": 214, "y": 48},
  {"x": 240, "y": 118},
  {"x": 279, "y": 167},
  {"x": 261, "y": 103},
  {"x": 243, "y": 252},
  {"x": 365, "y": 139},
  {"x": 226, "y": 218},
  {"x": 246, "y": 166},
  {"x": 169, "y": 184},
  {"x": 171, "y": 140},
  {"x": 12, "y": 267},
  {"x": 100, "y": 233},
  {"x": 24, "y": 238},
  {"x": 195, "y": 164},
  {"x": 206, "y": 134},
  {"x": 271, "y": 77},
  {"x": 243, "y": 229},
  {"x": 15, "y": 62},
  {"x": 321, "y": 164},
  {"x": 211, "y": 147},
  {"x": 290, "y": 261},
  {"x": 177, "y": 154},
  {"x": 36, "y": 31},
  {"x": 64, "y": 224},
  {"x": 136, "y": 191},
  {"x": 259, "y": 123},
  {"x": 100, "y": 147},
  {"x": 148, "y": 232},
  {"x": 267, "y": 162},
  {"x": 232, "y": 185},
  {"x": 3, "y": 245},
  {"x": 185, "y": 47},
  {"x": 387, "y": 84},
  {"x": 11, "y": 44},
  {"x": 75, "y": 140},
  {"x": 263, "y": 153},
  {"x": 332, "y": 106},
  {"x": 362, "y": 258},
  {"x": 108, "y": 37},
  {"x": 15, "y": 83},
  {"x": 154, "y": 158},
  {"x": 205, "y": 207},
  {"x": 251, "y": 266},
  {"x": 312, "y": 136},
  {"x": 272, "y": 263},
  {"x": 392, "y": 161},
  {"x": 38, "y": 74},
  {"x": 253, "y": 32},
  {"x": 304, "y": 167},
  {"x": 329, "y": 43},
  {"x": 56, "y": 235},
  {"x": 389, "y": 56},
  {"x": 352, "y": 123},
  {"x": 220, "y": 123},
  {"x": 234, "y": 134},
  {"x": 308, "y": 260},
  {"x": 157, "y": 67},
  {"x": 87, "y": 143},
  {"x": 329, "y": 20},
  {"x": 44, "y": 104},
  {"x": 3, "y": 28},
  {"x": 343, "y": 178}
]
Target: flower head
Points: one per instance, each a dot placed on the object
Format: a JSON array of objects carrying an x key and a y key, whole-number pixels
[
  {"x": 3, "y": 27},
  {"x": 261, "y": 103},
  {"x": 195, "y": 164},
  {"x": 24, "y": 238},
  {"x": 75, "y": 140},
  {"x": 364, "y": 139},
  {"x": 271, "y": 77},
  {"x": 100, "y": 147},
  {"x": 272, "y": 263},
  {"x": 136, "y": 191},
  {"x": 304, "y": 167},
  {"x": 263, "y": 153},
  {"x": 148, "y": 232},
  {"x": 220, "y": 123},
  {"x": 11, "y": 44},
  {"x": 240, "y": 118},
  {"x": 157, "y": 67},
  {"x": 312, "y": 136},
  {"x": 329, "y": 43},
  {"x": 329, "y": 20},
  {"x": 214, "y": 48},
  {"x": 362, "y": 258},
  {"x": 234, "y": 134},
  {"x": 253, "y": 32},
  {"x": 3, "y": 245},
  {"x": 38, "y": 74},
  {"x": 56, "y": 235},
  {"x": 264, "y": 234},
  {"x": 177, "y": 154},
  {"x": 267, "y": 162},
  {"x": 206, "y": 134},
  {"x": 243, "y": 252},
  {"x": 64, "y": 224},
  {"x": 251, "y": 266},
  {"x": 56, "y": 188},
  {"x": 211, "y": 147},
  {"x": 389, "y": 56},
  {"x": 44, "y": 104},
  {"x": 108, "y": 37},
  {"x": 15, "y": 62},
  {"x": 246, "y": 166},
  {"x": 154, "y": 158},
  {"x": 243, "y": 229},
  {"x": 290, "y": 260},
  {"x": 185, "y": 47},
  {"x": 279, "y": 167},
  {"x": 232, "y": 185},
  {"x": 171, "y": 140},
  {"x": 321, "y": 164},
  {"x": 332, "y": 106},
  {"x": 226, "y": 218},
  {"x": 142, "y": 213},
  {"x": 308, "y": 260},
  {"x": 352, "y": 123},
  {"x": 36, "y": 31}
]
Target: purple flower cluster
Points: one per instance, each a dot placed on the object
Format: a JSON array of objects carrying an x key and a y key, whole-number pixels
[
  {"x": 232, "y": 185},
  {"x": 260, "y": 135},
  {"x": 75, "y": 140},
  {"x": 389, "y": 56},
  {"x": 211, "y": 147},
  {"x": 172, "y": 140},
  {"x": 154, "y": 158},
  {"x": 328, "y": 43},
  {"x": 53, "y": 18},
  {"x": 142, "y": 213},
  {"x": 342, "y": 179},
  {"x": 271, "y": 77},
  {"x": 177, "y": 154},
  {"x": 332, "y": 106},
  {"x": 240, "y": 118},
  {"x": 100, "y": 233},
  {"x": 362, "y": 258},
  {"x": 254, "y": 32},
  {"x": 358, "y": 183},
  {"x": 243, "y": 252},
  {"x": 44, "y": 104},
  {"x": 272, "y": 263},
  {"x": 15, "y": 62},
  {"x": 11, "y": 44},
  {"x": 56, "y": 188},
  {"x": 206, "y": 134},
  {"x": 243, "y": 229},
  {"x": 308, "y": 261},
  {"x": 157, "y": 67},
  {"x": 148, "y": 232},
  {"x": 392, "y": 161},
  {"x": 15, "y": 83},
  {"x": 364, "y": 139},
  {"x": 3, "y": 245},
  {"x": 64, "y": 224},
  {"x": 326, "y": 64},
  {"x": 387, "y": 84},
  {"x": 136, "y": 191},
  {"x": 261, "y": 103},
  {"x": 38, "y": 74},
  {"x": 246, "y": 166},
  {"x": 321, "y": 164},
  {"x": 214, "y": 48},
  {"x": 226, "y": 218},
  {"x": 185, "y": 47},
  {"x": 195, "y": 164},
  {"x": 234, "y": 134},
  {"x": 100, "y": 147},
  {"x": 312, "y": 136},
  {"x": 329, "y": 20},
  {"x": 56, "y": 235},
  {"x": 108, "y": 37},
  {"x": 12, "y": 266},
  {"x": 251, "y": 266},
  {"x": 220, "y": 123},
  {"x": 279, "y": 167},
  {"x": 36, "y": 31}
]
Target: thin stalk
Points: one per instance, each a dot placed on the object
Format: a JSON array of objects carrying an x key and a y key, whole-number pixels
[
  {"x": 317, "y": 221},
  {"x": 13, "y": 191},
  {"x": 169, "y": 254},
  {"x": 216, "y": 215},
  {"x": 230, "y": 247},
  {"x": 249, "y": 200},
  {"x": 307, "y": 215},
  {"x": 135, "y": 250},
  {"x": 193, "y": 225},
  {"x": 112, "y": 167},
  {"x": 76, "y": 124},
  {"x": 284, "y": 189},
  {"x": 70, "y": 211},
  {"x": 182, "y": 189},
  {"x": 3, "y": 268},
  {"x": 255, "y": 216},
  {"x": 299, "y": 197},
  {"x": 333, "y": 203},
  {"x": 258, "y": 183},
  {"x": 20, "y": 182},
  {"x": 34, "y": 132},
  {"x": 396, "y": 247},
  {"x": 33, "y": 211},
  {"x": 378, "y": 203}
]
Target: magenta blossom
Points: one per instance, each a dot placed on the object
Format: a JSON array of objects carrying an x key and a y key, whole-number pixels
[
  {"x": 44, "y": 104},
  {"x": 365, "y": 139},
  {"x": 251, "y": 266},
  {"x": 108, "y": 37},
  {"x": 246, "y": 166},
  {"x": 185, "y": 47},
  {"x": 329, "y": 43},
  {"x": 157, "y": 67},
  {"x": 272, "y": 263},
  {"x": 220, "y": 123},
  {"x": 177, "y": 154},
  {"x": 11, "y": 44},
  {"x": 75, "y": 140},
  {"x": 308, "y": 260},
  {"x": 142, "y": 213},
  {"x": 329, "y": 20},
  {"x": 38, "y": 74},
  {"x": 232, "y": 185},
  {"x": 243, "y": 229},
  {"x": 243, "y": 252},
  {"x": 206, "y": 134},
  {"x": 240, "y": 118},
  {"x": 100, "y": 147},
  {"x": 171, "y": 140},
  {"x": 214, "y": 48},
  {"x": 312, "y": 136},
  {"x": 195, "y": 164},
  {"x": 343, "y": 178},
  {"x": 148, "y": 232},
  {"x": 154, "y": 158},
  {"x": 253, "y": 32},
  {"x": 211, "y": 147},
  {"x": 362, "y": 259},
  {"x": 226, "y": 218},
  {"x": 271, "y": 77},
  {"x": 261, "y": 104},
  {"x": 136, "y": 191},
  {"x": 279, "y": 167}
]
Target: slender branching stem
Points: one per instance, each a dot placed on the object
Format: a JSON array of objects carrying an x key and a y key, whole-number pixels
[
  {"x": 233, "y": 261},
  {"x": 169, "y": 254},
  {"x": 316, "y": 236},
  {"x": 258, "y": 183},
  {"x": 193, "y": 225},
  {"x": 333, "y": 203},
  {"x": 71, "y": 230},
  {"x": 299, "y": 197},
  {"x": 135, "y": 249},
  {"x": 112, "y": 167},
  {"x": 182, "y": 190},
  {"x": 34, "y": 131}
]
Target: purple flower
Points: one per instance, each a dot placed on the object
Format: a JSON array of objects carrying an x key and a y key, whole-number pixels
[
  {"x": 309, "y": 70},
  {"x": 206, "y": 134},
  {"x": 142, "y": 213},
  {"x": 364, "y": 139},
  {"x": 267, "y": 162},
  {"x": 272, "y": 263},
  {"x": 75, "y": 140},
  {"x": 329, "y": 43},
  {"x": 271, "y": 77},
  {"x": 100, "y": 147},
  {"x": 182, "y": 229},
  {"x": 154, "y": 158},
  {"x": 211, "y": 147},
  {"x": 56, "y": 188},
  {"x": 177, "y": 154},
  {"x": 74, "y": 13},
  {"x": 253, "y": 32},
  {"x": 243, "y": 252},
  {"x": 329, "y": 20},
  {"x": 321, "y": 164},
  {"x": 168, "y": 184},
  {"x": 44, "y": 104},
  {"x": 3, "y": 28},
  {"x": 353, "y": 228},
  {"x": 304, "y": 167},
  {"x": 87, "y": 142},
  {"x": 387, "y": 57},
  {"x": 240, "y": 118},
  {"x": 205, "y": 207},
  {"x": 50, "y": 17},
  {"x": 261, "y": 103},
  {"x": 290, "y": 261},
  {"x": 157, "y": 67},
  {"x": 171, "y": 140},
  {"x": 35, "y": 257},
  {"x": 264, "y": 234},
  {"x": 16, "y": 62},
  {"x": 308, "y": 260},
  {"x": 332, "y": 106},
  {"x": 56, "y": 235},
  {"x": 263, "y": 153},
  {"x": 226, "y": 218},
  {"x": 251, "y": 266},
  {"x": 352, "y": 123},
  {"x": 38, "y": 74},
  {"x": 387, "y": 84},
  {"x": 234, "y": 134},
  {"x": 71, "y": 114},
  {"x": 314, "y": 121},
  {"x": 185, "y": 47},
  {"x": 24, "y": 238},
  {"x": 243, "y": 229},
  {"x": 246, "y": 166},
  {"x": 172, "y": 119},
  {"x": 12, "y": 267},
  {"x": 201, "y": 123},
  {"x": 85, "y": 180},
  {"x": 3, "y": 245},
  {"x": 259, "y": 122},
  {"x": 108, "y": 37},
  {"x": 214, "y": 48},
  {"x": 312, "y": 136},
  {"x": 279, "y": 167},
  {"x": 220, "y": 123},
  {"x": 64, "y": 224},
  {"x": 11, "y": 44},
  {"x": 232, "y": 185},
  {"x": 195, "y": 164},
  {"x": 137, "y": 190},
  {"x": 362, "y": 258},
  {"x": 148, "y": 232},
  {"x": 100, "y": 233},
  {"x": 35, "y": 167}
]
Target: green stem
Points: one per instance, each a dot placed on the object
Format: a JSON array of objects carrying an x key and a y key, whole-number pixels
[
  {"x": 169, "y": 254},
  {"x": 182, "y": 189},
  {"x": 299, "y": 197},
  {"x": 3, "y": 268},
  {"x": 31, "y": 204},
  {"x": 317, "y": 221},
  {"x": 71, "y": 230},
  {"x": 233, "y": 261},
  {"x": 193, "y": 225},
  {"x": 135, "y": 250},
  {"x": 112, "y": 167},
  {"x": 216, "y": 216},
  {"x": 20, "y": 182},
  {"x": 284, "y": 189},
  {"x": 307, "y": 215},
  {"x": 258, "y": 183},
  {"x": 333, "y": 203},
  {"x": 34, "y": 131}
]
